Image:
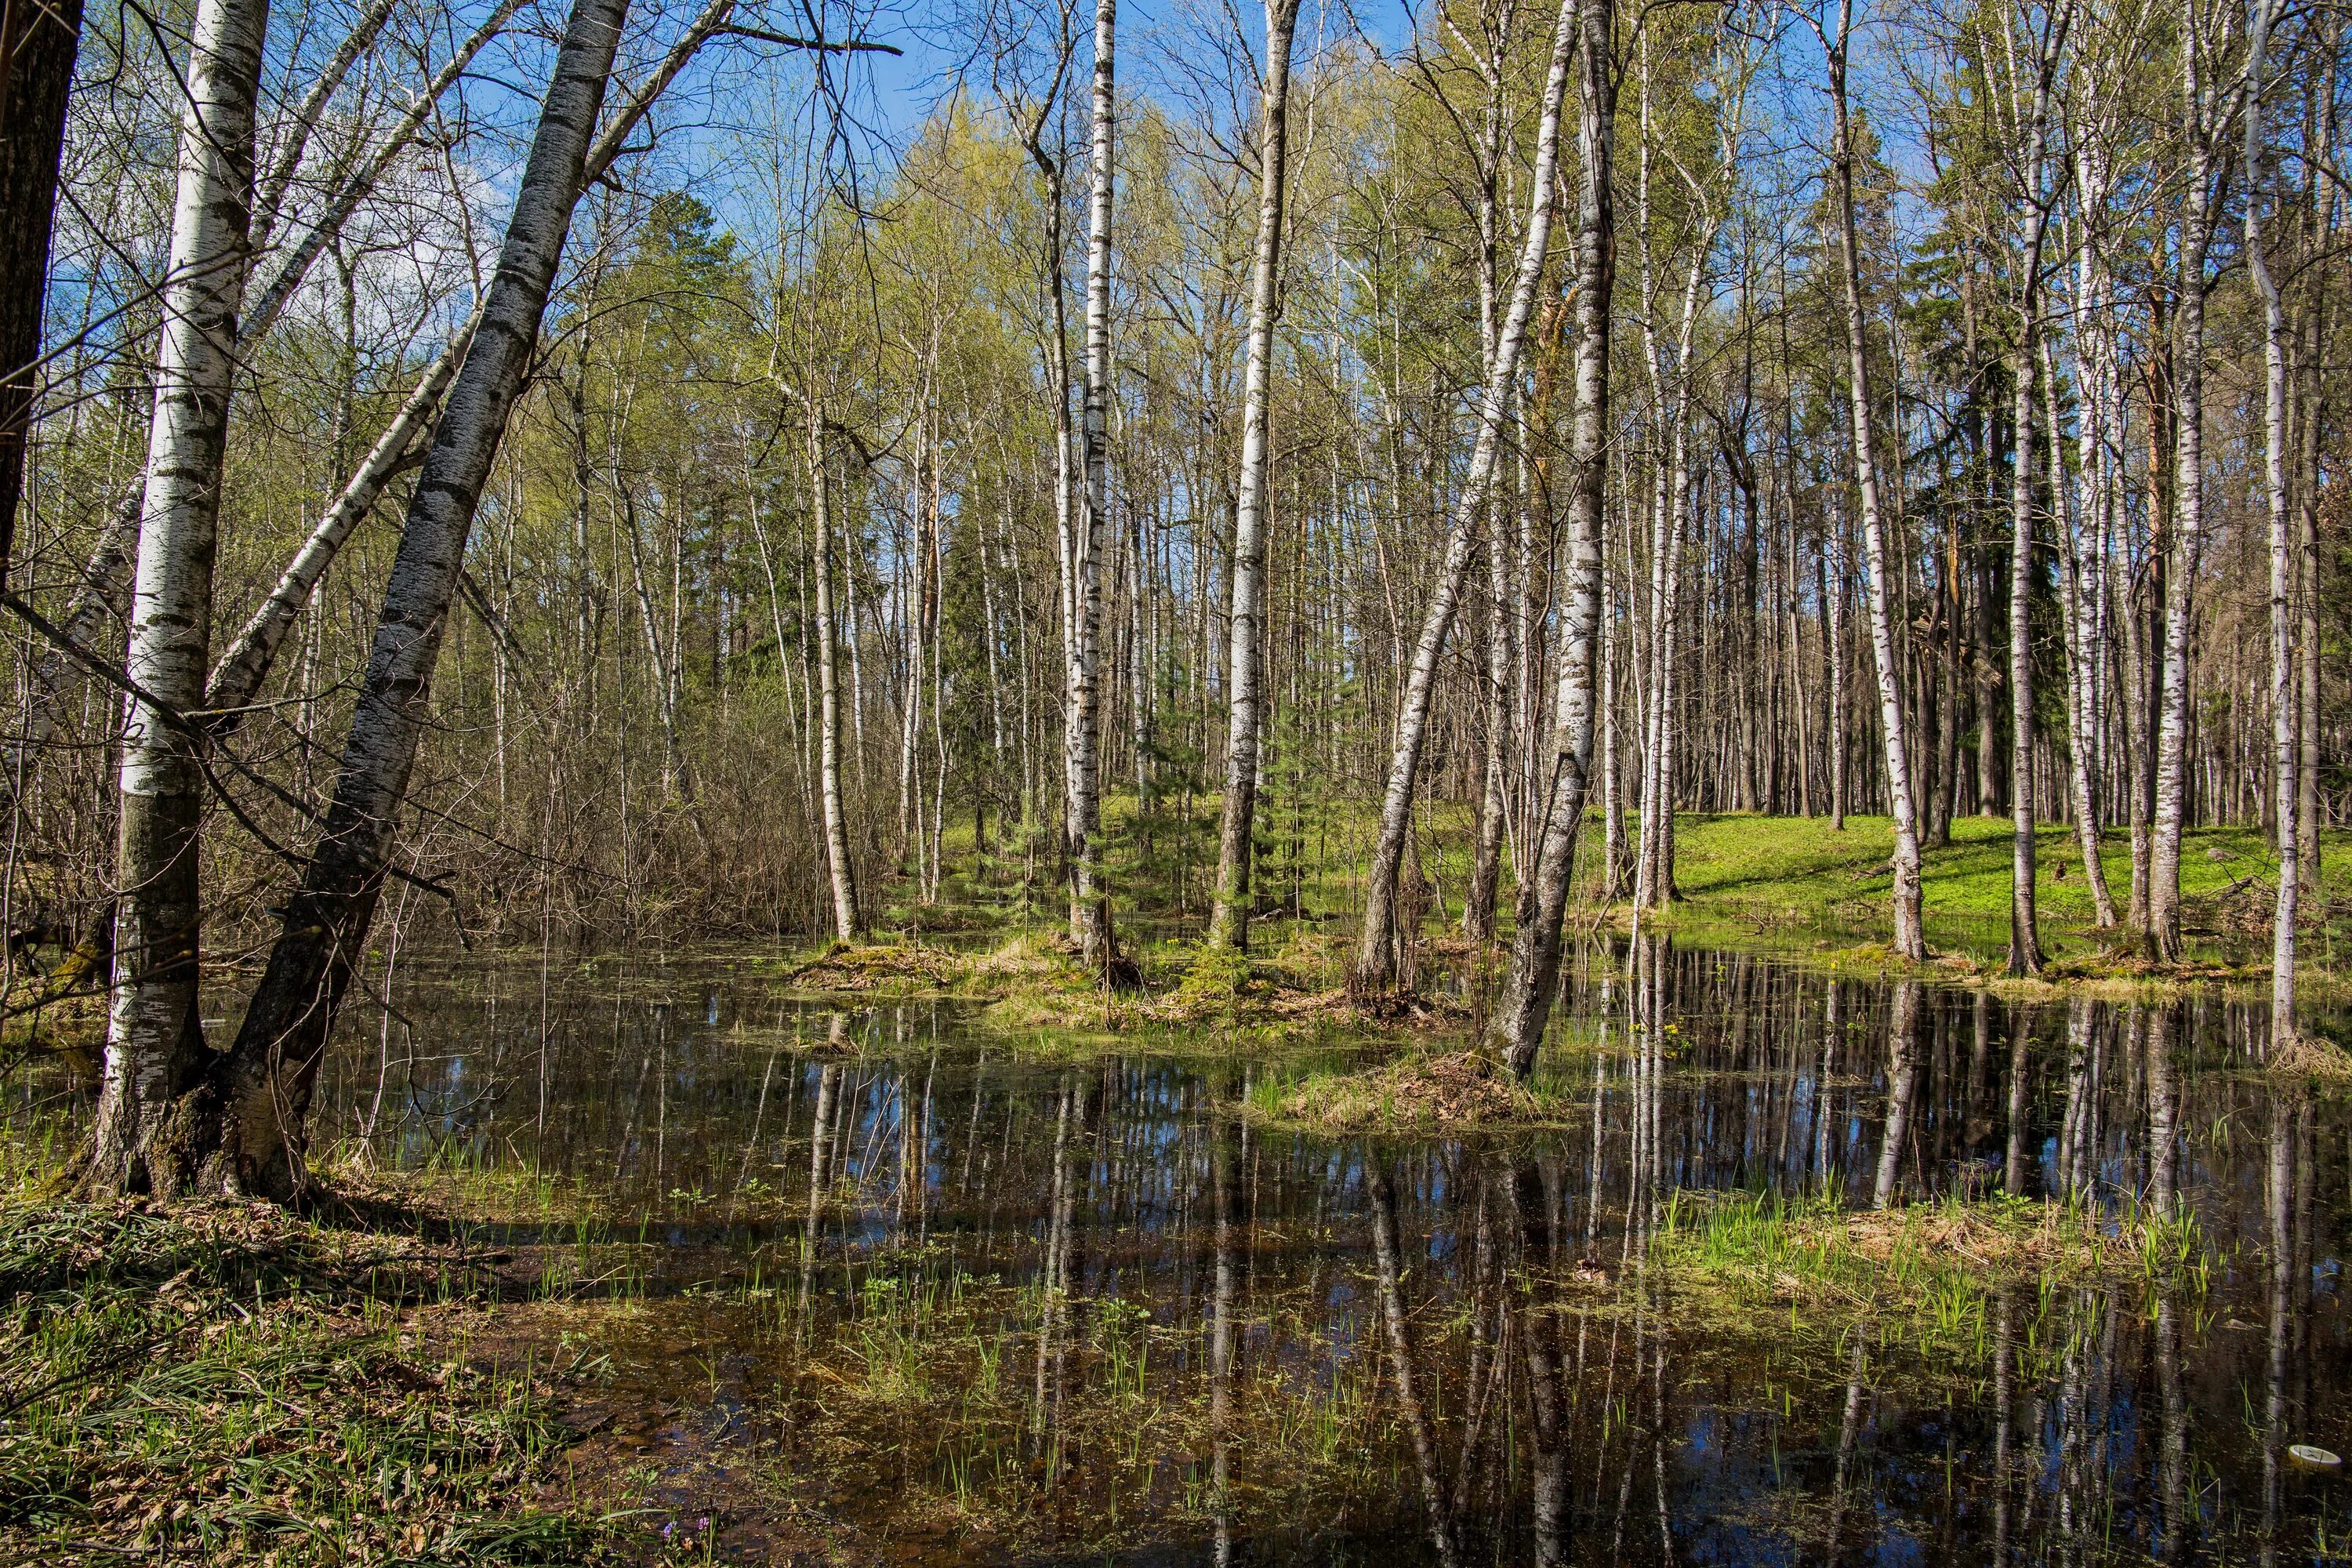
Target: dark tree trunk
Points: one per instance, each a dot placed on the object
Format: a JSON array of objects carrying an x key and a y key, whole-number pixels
[
  {"x": 40, "y": 39},
  {"x": 268, "y": 1078}
]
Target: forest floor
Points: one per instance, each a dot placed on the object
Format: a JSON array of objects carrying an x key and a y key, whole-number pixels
[
  {"x": 234, "y": 1383},
  {"x": 1797, "y": 886},
  {"x": 1793, "y": 887}
]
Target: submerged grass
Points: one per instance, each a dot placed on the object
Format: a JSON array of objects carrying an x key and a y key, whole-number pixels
[
  {"x": 1928, "y": 1274},
  {"x": 226, "y": 1384}
]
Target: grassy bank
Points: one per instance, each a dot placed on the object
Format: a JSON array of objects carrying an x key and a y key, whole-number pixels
[
  {"x": 1793, "y": 887},
  {"x": 229, "y": 1383},
  {"x": 1797, "y": 885}
]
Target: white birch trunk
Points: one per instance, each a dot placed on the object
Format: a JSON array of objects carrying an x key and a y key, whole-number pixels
[
  {"x": 1523, "y": 1008},
  {"x": 2024, "y": 932},
  {"x": 237, "y": 678},
  {"x": 2097, "y": 377},
  {"x": 1910, "y": 940},
  {"x": 1376, "y": 956},
  {"x": 2188, "y": 504},
  {"x": 1090, "y": 913},
  {"x": 155, "y": 1052},
  {"x": 1229, "y": 919},
  {"x": 2285, "y": 756},
  {"x": 828, "y": 684}
]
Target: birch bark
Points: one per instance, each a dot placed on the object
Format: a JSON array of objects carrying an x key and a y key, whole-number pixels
[
  {"x": 1229, "y": 918},
  {"x": 269, "y": 1077},
  {"x": 1090, "y": 913},
  {"x": 2202, "y": 116},
  {"x": 1909, "y": 939},
  {"x": 1524, "y": 1007},
  {"x": 1376, "y": 955},
  {"x": 2098, "y": 377},
  {"x": 2025, "y": 934},
  {"x": 846, "y": 926},
  {"x": 155, "y": 1051},
  {"x": 2286, "y": 757}
]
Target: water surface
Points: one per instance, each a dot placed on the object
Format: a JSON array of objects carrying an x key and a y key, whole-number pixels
[{"x": 899, "y": 1288}]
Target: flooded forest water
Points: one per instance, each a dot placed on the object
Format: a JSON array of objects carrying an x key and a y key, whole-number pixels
[{"x": 884, "y": 1285}]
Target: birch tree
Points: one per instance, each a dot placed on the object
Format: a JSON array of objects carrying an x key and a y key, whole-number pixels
[
  {"x": 1229, "y": 921},
  {"x": 1523, "y": 1010},
  {"x": 1376, "y": 956},
  {"x": 2286, "y": 757},
  {"x": 267, "y": 1081},
  {"x": 2207, "y": 108},
  {"x": 1091, "y": 916},
  {"x": 1910, "y": 937},
  {"x": 243, "y": 667},
  {"x": 2031, "y": 115},
  {"x": 156, "y": 1056},
  {"x": 847, "y": 926}
]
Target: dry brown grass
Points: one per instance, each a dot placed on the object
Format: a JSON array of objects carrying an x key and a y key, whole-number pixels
[{"x": 1455, "y": 1090}]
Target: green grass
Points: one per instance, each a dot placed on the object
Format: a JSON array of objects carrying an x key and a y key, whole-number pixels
[
  {"x": 1925, "y": 1275},
  {"x": 1421, "y": 1094},
  {"x": 224, "y": 1382},
  {"x": 1791, "y": 884},
  {"x": 1795, "y": 882}
]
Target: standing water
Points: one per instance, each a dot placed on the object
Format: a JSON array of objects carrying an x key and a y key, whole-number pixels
[{"x": 877, "y": 1283}]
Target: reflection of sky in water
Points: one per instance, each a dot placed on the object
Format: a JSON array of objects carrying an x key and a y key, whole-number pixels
[{"x": 946, "y": 1156}]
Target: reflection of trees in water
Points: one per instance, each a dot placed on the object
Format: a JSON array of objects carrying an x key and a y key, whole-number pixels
[{"x": 1475, "y": 1318}]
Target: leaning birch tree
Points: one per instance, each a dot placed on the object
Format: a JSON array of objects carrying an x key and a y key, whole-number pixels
[
  {"x": 1376, "y": 953},
  {"x": 263, "y": 1100}
]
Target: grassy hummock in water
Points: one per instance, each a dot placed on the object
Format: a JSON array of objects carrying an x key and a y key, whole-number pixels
[
  {"x": 1036, "y": 981},
  {"x": 225, "y": 1384},
  {"x": 1928, "y": 1272},
  {"x": 1420, "y": 1092}
]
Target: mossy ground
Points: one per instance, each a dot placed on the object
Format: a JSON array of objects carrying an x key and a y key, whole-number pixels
[
  {"x": 1189, "y": 995},
  {"x": 1421, "y": 1092}
]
